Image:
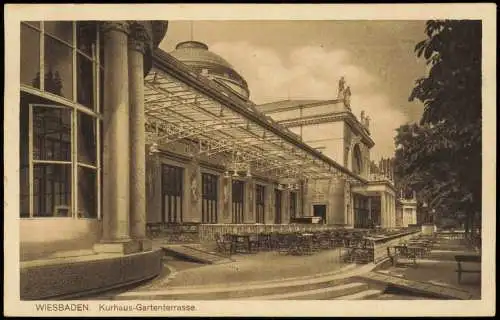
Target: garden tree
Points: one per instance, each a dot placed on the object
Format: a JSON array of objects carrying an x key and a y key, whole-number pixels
[{"x": 441, "y": 156}]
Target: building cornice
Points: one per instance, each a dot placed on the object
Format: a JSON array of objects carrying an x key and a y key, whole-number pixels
[
  {"x": 383, "y": 182},
  {"x": 346, "y": 116}
]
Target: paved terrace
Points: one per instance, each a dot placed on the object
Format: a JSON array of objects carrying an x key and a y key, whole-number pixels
[
  {"x": 439, "y": 267},
  {"x": 322, "y": 271},
  {"x": 255, "y": 267}
]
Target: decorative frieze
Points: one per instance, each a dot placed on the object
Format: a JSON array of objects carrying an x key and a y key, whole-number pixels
[
  {"x": 139, "y": 38},
  {"x": 122, "y": 26}
]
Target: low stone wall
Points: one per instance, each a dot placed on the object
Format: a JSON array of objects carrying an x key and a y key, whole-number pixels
[
  {"x": 173, "y": 233},
  {"x": 380, "y": 245},
  {"x": 67, "y": 279},
  {"x": 207, "y": 232}
]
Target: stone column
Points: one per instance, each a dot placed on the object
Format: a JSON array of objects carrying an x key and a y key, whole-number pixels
[
  {"x": 383, "y": 211},
  {"x": 393, "y": 210},
  {"x": 136, "y": 49},
  {"x": 306, "y": 200},
  {"x": 370, "y": 208},
  {"x": 227, "y": 190},
  {"x": 116, "y": 190},
  {"x": 249, "y": 201}
]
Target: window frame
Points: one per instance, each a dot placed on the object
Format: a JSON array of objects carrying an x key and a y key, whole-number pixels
[
  {"x": 75, "y": 108},
  {"x": 97, "y": 66}
]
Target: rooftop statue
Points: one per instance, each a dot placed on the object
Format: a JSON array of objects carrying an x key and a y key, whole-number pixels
[
  {"x": 340, "y": 94},
  {"x": 362, "y": 117},
  {"x": 347, "y": 98},
  {"x": 367, "y": 122}
]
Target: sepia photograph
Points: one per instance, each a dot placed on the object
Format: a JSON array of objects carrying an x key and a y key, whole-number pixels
[{"x": 159, "y": 166}]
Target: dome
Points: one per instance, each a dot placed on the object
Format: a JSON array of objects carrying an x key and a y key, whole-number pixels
[{"x": 196, "y": 55}]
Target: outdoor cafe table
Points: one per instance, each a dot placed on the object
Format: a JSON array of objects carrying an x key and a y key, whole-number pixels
[
  {"x": 409, "y": 251},
  {"x": 307, "y": 241},
  {"x": 243, "y": 239}
]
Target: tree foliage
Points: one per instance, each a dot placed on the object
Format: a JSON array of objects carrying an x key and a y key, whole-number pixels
[{"x": 440, "y": 157}]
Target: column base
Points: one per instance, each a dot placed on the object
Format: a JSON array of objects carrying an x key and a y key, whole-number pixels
[
  {"x": 145, "y": 244},
  {"x": 127, "y": 247}
]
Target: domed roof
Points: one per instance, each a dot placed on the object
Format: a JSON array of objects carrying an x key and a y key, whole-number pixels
[
  {"x": 194, "y": 52},
  {"x": 196, "y": 55}
]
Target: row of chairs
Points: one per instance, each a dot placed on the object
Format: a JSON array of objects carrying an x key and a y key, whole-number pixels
[{"x": 291, "y": 243}]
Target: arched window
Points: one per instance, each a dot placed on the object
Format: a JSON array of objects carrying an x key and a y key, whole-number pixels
[{"x": 357, "y": 161}]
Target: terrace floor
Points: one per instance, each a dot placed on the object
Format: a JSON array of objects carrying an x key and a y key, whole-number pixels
[
  {"x": 254, "y": 267},
  {"x": 439, "y": 268}
]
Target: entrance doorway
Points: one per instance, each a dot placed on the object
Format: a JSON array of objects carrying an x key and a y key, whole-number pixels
[{"x": 319, "y": 210}]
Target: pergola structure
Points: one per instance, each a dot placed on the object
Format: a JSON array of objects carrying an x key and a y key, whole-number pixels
[{"x": 181, "y": 105}]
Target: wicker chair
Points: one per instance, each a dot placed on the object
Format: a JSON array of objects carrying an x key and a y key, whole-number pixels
[
  {"x": 223, "y": 245},
  {"x": 264, "y": 241}
]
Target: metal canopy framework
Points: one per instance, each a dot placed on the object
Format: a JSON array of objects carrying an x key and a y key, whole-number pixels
[{"x": 176, "y": 110}]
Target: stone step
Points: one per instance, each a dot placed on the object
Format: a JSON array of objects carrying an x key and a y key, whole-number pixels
[
  {"x": 317, "y": 294},
  {"x": 195, "y": 254},
  {"x": 230, "y": 292},
  {"x": 362, "y": 295},
  {"x": 417, "y": 287},
  {"x": 249, "y": 289}
]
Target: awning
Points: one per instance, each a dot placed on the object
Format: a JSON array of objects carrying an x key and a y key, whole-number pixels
[{"x": 184, "y": 106}]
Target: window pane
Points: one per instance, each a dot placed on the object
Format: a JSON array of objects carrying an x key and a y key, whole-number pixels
[
  {"x": 58, "y": 68},
  {"x": 60, "y": 29},
  {"x": 24, "y": 160},
  {"x": 85, "y": 82},
  {"x": 86, "y": 138},
  {"x": 87, "y": 193},
  {"x": 33, "y": 23},
  {"x": 52, "y": 190},
  {"x": 30, "y": 56},
  {"x": 86, "y": 37},
  {"x": 51, "y": 134}
]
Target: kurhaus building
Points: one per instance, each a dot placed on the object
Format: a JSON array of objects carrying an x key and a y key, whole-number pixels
[
  {"x": 117, "y": 135},
  {"x": 216, "y": 158}
]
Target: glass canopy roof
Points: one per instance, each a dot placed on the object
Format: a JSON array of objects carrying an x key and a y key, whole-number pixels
[{"x": 181, "y": 105}]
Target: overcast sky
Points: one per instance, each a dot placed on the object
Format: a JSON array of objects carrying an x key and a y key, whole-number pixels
[{"x": 305, "y": 59}]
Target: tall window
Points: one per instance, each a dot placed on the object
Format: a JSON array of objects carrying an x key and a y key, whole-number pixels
[
  {"x": 209, "y": 198},
  {"x": 172, "y": 181},
  {"x": 59, "y": 119},
  {"x": 360, "y": 212},
  {"x": 277, "y": 206},
  {"x": 293, "y": 205},
  {"x": 237, "y": 202},
  {"x": 260, "y": 203}
]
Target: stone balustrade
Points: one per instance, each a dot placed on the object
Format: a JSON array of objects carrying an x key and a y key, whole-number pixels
[{"x": 380, "y": 245}]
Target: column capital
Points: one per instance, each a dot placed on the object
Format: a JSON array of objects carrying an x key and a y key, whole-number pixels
[
  {"x": 122, "y": 26},
  {"x": 139, "y": 38}
]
